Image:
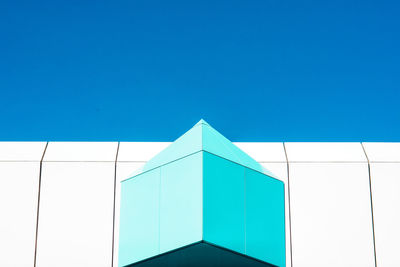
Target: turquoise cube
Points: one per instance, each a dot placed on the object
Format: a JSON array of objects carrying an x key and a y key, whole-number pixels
[{"x": 202, "y": 202}]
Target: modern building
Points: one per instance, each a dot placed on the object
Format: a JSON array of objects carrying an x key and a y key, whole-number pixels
[{"x": 60, "y": 202}]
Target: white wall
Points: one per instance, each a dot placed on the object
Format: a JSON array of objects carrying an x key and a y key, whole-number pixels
[
  {"x": 329, "y": 186},
  {"x": 19, "y": 187},
  {"x": 385, "y": 181},
  {"x": 330, "y": 204},
  {"x": 76, "y": 205}
]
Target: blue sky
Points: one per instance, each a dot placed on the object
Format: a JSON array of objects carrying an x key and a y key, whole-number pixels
[{"x": 148, "y": 70}]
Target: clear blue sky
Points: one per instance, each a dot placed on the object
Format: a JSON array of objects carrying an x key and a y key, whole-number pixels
[{"x": 266, "y": 70}]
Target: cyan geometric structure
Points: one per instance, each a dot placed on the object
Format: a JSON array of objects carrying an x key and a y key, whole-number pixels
[{"x": 202, "y": 202}]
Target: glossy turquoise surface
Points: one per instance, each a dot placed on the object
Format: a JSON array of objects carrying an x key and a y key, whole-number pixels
[
  {"x": 139, "y": 218},
  {"x": 202, "y": 188},
  {"x": 265, "y": 218},
  {"x": 181, "y": 203},
  {"x": 203, "y": 137},
  {"x": 223, "y": 196}
]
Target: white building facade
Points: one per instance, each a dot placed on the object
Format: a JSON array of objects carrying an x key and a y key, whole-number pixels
[{"x": 59, "y": 201}]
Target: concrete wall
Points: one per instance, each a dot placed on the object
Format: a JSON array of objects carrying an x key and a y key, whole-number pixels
[{"x": 59, "y": 201}]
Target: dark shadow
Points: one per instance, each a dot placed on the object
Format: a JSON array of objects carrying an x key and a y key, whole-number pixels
[{"x": 199, "y": 255}]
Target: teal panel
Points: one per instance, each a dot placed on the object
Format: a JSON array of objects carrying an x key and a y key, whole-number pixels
[
  {"x": 223, "y": 203},
  {"x": 217, "y": 144},
  {"x": 139, "y": 218},
  {"x": 265, "y": 218},
  {"x": 198, "y": 189},
  {"x": 214, "y": 143},
  {"x": 181, "y": 204}
]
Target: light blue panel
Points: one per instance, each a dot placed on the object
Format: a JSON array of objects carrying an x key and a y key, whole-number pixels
[
  {"x": 187, "y": 144},
  {"x": 223, "y": 200},
  {"x": 265, "y": 218},
  {"x": 181, "y": 204},
  {"x": 139, "y": 218}
]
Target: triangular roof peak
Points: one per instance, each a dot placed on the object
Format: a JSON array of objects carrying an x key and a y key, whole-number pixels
[
  {"x": 201, "y": 121},
  {"x": 203, "y": 137}
]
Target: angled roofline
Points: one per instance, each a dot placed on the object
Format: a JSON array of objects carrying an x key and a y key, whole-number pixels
[{"x": 202, "y": 138}]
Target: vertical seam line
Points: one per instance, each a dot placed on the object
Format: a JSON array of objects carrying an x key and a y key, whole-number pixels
[
  {"x": 372, "y": 206},
  {"x": 38, "y": 203},
  {"x": 244, "y": 176},
  {"x": 202, "y": 185},
  {"x": 159, "y": 212},
  {"x": 115, "y": 190},
  {"x": 289, "y": 209},
  {"x": 202, "y": 196}
]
